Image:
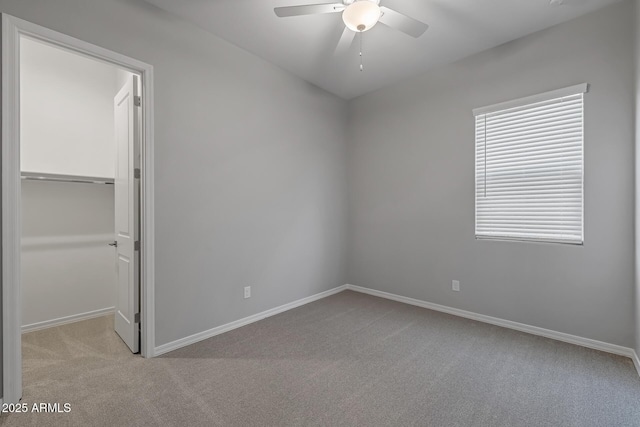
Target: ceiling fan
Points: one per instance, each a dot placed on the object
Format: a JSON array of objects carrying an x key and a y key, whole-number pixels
[{"x": 359, "y": 16}]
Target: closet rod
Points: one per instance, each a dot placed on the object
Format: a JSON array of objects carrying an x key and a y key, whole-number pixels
[{"x": 34, "y": 176}]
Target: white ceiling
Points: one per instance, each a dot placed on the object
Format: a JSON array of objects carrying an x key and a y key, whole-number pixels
[{"x": 305, "y": 45}]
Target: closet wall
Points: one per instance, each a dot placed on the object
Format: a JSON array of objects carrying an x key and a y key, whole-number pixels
[{"x": 66, "y": 128}]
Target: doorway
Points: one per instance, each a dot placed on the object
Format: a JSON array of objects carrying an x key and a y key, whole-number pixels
[
  {"x": 128, "y": 183},
  {"x": 68, "y": 122}
]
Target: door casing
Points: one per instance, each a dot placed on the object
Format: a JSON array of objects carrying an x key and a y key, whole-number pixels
[{"x": 12, "y": 29}]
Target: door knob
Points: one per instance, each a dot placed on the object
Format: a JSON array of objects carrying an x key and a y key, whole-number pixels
[{"x": 114, "y": 244}]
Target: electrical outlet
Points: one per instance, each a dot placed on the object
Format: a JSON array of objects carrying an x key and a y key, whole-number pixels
[
  {"x": 247, "y": 291},
  {"x": 455, "y": 285}
]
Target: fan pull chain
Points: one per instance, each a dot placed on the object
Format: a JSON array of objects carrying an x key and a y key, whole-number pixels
[{"x": 361, "y": 67}]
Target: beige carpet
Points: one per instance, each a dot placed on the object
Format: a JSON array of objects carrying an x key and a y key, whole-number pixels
[{"x": 346, "y": 360}]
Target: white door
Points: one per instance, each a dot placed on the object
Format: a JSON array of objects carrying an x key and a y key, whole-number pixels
[{"x": 127, "y": 126}]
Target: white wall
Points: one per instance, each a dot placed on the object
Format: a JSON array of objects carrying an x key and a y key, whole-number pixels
[
  {"x": 66, "y": 112},
  {"x": 67, "y": 268},
  {"x": 411, "y": 174},
  {"x": 67, "y": 127},
  {"x": 250, "y": 166}
]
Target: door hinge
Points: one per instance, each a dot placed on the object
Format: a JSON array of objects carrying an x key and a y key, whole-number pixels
[
  {"x": 136, "y": 173},
  {"x": 137, "y": 101},
  {"x": 136, "y": 246},
  {"x": 136, "y": 318}
]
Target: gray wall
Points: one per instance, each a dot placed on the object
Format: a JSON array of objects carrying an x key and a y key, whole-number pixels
[
  {"x": 637, "y": 171},
  {"x": 250, "y": 166},
  {"x": 411, "y": 184}
]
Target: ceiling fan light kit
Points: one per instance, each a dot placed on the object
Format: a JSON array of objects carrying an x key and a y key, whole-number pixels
[{"x": 361, "y": 15}]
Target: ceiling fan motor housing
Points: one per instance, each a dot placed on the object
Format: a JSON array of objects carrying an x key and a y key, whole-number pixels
[
  {"x": 361, "y": 15},
  {"x": 348, "y": 2}
]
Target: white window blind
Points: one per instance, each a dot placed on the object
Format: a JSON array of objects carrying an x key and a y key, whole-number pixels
[{"x": 529, "y": 168}]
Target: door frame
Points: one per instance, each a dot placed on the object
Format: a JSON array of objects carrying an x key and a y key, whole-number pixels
[{"x": 12, "y": 29}]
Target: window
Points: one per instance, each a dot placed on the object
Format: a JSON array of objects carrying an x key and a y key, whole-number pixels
[{"x": 529, "y": 168}]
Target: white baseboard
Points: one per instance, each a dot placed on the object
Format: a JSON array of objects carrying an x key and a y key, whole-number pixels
[
  {"x": 67, "y": 319},
  {"x": 192, "y": 339},
  {"x": 548, "y": 333},
  {"x": 636, "y": 361}
]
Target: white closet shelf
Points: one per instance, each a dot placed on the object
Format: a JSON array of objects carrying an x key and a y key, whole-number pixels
[{"x": 38, "y": 176}]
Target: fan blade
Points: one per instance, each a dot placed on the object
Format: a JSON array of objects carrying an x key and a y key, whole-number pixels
[
  {"x": 400, "y": 22},
  {"x": 556, "y": 3},
  {"x": 345, "y": 41},
  {"x": 309, "y": 9}
]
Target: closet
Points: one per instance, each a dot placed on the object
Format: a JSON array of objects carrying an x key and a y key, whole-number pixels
[{"x": 68, "y": 163}]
